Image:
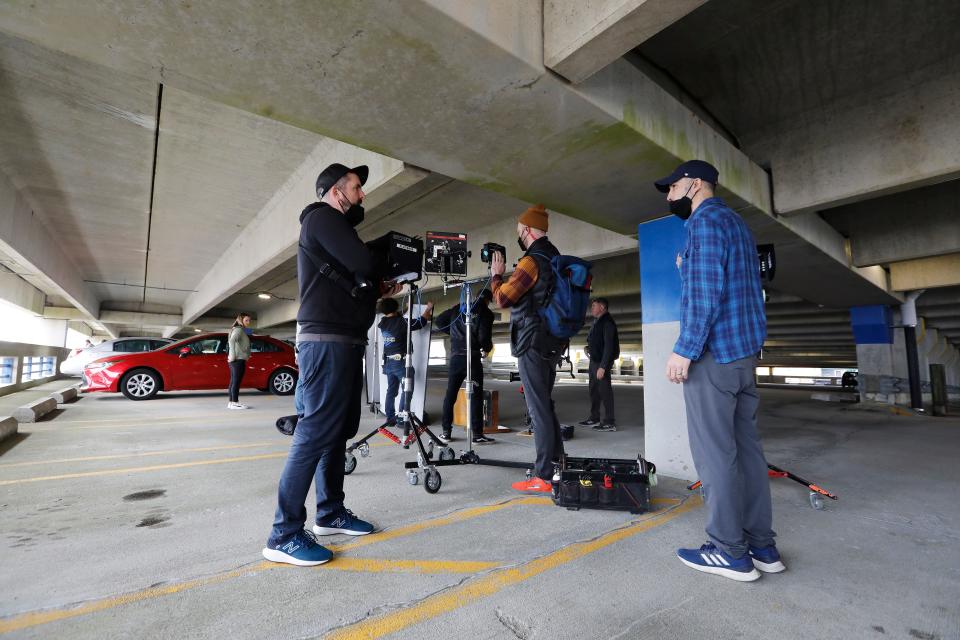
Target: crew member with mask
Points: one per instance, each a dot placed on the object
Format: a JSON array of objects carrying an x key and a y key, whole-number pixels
[
  {"x": 339, "y": 288},
  {"x": 536, "y": 350},
  {"x": 393, "y": 327},
  {"x": 453, "y": 322},
  {"x": 722, "y": 327}
]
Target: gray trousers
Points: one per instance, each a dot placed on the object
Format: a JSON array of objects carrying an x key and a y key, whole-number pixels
[
  {"x": 538, "y": 375},
  {"x": 601, "y": 391},
  {"x": 722, "y": 402}
]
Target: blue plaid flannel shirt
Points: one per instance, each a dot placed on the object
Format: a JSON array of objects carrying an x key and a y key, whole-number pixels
[{"x": 721, "y": 300}]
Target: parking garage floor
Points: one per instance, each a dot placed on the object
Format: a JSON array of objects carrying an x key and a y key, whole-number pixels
[{"x": 146, "y": 519}]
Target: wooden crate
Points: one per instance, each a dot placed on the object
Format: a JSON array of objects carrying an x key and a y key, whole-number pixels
[{"x": 491, "y": 421}]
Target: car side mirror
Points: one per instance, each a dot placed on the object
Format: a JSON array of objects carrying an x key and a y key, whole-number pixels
[{"x": 184, "y": 352}]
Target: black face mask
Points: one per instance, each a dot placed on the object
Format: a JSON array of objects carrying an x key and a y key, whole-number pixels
[
  {"x": 522, "y": 248},
  {"x": 683, "y": 207},
  {"x": 354, "y": 213}
]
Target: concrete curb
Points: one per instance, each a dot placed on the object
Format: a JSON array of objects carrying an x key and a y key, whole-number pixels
[
  {"x": 8, "y": 427},
  {"x": 36, "y": 409},
  {"x": 64, "y": 395}
]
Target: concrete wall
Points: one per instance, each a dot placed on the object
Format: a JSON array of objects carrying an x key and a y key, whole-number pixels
[{"x": 21, "y": 350}]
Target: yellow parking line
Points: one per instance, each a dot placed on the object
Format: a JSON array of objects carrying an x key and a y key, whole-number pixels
[
  {"x": 159, "y": 467},
  {"x": 137, "y": 455},
  {"x": 36, "y": 618},
  {"x": 366, "y": 565},
  {"x": 498, "y": 580}
]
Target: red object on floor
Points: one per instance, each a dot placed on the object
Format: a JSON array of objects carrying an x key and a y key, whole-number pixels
[{"x": 535, "y": 485}]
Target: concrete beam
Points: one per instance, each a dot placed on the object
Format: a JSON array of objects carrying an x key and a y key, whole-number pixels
[
  {"x": 855, "y": 149},
  {"x": 28, "y": 242},
  {"x": 924, "y": 273},
  {"x": 17, "y": 291},
  {"x": 580, "y": 37}
]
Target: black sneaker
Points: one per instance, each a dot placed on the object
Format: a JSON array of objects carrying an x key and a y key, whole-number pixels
[
  {"x": 446, "y": 436},
  {"x": 483, "y": 440},
  {"x": 589, "y": 422},
  {"x": 606, "y": 426}
]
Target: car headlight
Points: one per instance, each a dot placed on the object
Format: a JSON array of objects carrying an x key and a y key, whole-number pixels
[{"x": 98, "y": 366}]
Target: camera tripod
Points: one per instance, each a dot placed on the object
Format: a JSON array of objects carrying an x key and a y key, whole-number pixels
[
  {"x": 413, "y": 427},
  {"x": 424, "y": 462}
]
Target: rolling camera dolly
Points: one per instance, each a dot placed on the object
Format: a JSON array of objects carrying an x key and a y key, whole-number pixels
[
  {"x": 412, "y": 427},
  {"x": 816, "y": 493}
]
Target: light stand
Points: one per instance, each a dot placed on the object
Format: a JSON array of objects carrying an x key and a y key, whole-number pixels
[{"x": 469, "y": 456}]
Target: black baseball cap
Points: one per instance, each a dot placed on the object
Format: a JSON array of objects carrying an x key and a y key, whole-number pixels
[
  {"x": 329, "y": 176},
  {"x": 689, "y": 169}
]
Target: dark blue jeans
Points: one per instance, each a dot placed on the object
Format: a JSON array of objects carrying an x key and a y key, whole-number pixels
[
  {"x": 332, "y": 375},
  {"x": 393, "y": 369}
]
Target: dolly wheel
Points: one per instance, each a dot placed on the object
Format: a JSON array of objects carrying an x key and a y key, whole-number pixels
[
  {"x": 432, "y": 481},
  {"x": 816, "y": 501},
  {"x": 413, "y": 477},
  {"x": 349, "y": 464},
  {"x": 447, "y": 453}
]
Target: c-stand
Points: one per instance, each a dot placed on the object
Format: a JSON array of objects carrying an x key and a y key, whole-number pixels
[{"x": 469, "y": 456}]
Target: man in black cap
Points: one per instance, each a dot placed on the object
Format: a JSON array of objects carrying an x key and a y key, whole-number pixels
[
  {"x": 453, "y": 322},
  {"x": 603, "y": 348},
  {"x": 722, "y": 327},
  {"x": 339, "y": 288}
]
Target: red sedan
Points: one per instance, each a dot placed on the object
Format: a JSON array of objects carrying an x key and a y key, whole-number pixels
[{"x": 196, "y": 363}]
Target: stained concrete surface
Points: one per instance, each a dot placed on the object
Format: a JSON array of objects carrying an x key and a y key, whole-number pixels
[{"x": 155, "y": 525}]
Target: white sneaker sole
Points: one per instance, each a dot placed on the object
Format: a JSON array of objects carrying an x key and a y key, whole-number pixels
[
  {"x": 769, "y": 567},
  {"x": 739, "y": 576},
  {"x": 330, "y": 531},
  {"x": 275, "y": 555}
]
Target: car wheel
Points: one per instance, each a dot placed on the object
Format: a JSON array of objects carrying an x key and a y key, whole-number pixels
[
  {"x": 282, "y": 382},
  {"x": 140, "y": 384}
]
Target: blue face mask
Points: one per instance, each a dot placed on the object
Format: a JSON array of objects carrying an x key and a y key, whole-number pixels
[{"x": 248, "y": 331}]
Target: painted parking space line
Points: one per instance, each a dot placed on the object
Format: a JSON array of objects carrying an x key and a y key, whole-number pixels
[
  {"x": 500, "y": 579},
  {"x": 36, "y": 618},
  {"x": 159, "y": 467},
  {"x": 138, "y": 454},
  {"x": 362, "y": 565}
]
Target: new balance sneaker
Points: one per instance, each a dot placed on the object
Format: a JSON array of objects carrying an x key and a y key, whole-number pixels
[
  {"x": 483, "y": 440},
  {"x": 767, "y": 559},
  {"x": 589, "y": 422},
  {"x": 302, "y": 550},
  {"x": 710, "y": 559},
  {"x": 606, "y": 426},
  {"x": 342, "y": 522},
  {"x": 533, "y": 485}
]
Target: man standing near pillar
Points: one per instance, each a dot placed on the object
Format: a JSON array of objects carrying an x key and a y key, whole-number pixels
[
  {"x": 537, "y": 352},
  {"x": 603, "y": 348},
  {"x": 722, "y": 327}
]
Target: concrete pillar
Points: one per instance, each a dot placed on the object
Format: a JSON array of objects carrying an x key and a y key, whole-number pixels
[
  {"x": 881, "y": 362},
  {"x": 665, "y": 417}
]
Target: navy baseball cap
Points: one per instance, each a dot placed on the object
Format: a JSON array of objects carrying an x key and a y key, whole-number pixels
[
  {"x": 689, "y": 169},
  {"x": 329, "y": 176}
]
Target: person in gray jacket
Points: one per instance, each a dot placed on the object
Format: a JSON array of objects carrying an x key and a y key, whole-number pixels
[{"x": 237, "y": 357}]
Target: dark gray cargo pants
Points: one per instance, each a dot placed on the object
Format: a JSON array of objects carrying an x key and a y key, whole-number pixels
[
  {"x": 538, "y": 375},
  {"x": 722, "y": 402}
]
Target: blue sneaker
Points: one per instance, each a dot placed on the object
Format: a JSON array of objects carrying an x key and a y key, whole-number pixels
[
  {"x": 342, "y": 522},
  {"x": 710, "y": 559},
  {"x": 302, "y": 550},
  {"x": 767, "y": 559}
]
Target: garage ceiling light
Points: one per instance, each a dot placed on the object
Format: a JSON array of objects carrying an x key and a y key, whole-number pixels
[{"x": 264, "y": 296}]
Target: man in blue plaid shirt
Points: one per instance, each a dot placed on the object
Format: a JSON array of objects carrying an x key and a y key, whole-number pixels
[{"x": 722, "y": 327}]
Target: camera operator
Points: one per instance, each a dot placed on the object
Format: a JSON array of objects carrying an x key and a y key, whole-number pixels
[
  {"x": 536, "y": 350},
  {"x": 454, "y": 323},
  {"x": 339, "y": 287}
]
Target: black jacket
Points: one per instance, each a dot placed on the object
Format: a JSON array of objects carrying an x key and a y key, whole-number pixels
[
  {"x": 394, "y": 331},
  {"x": 603, "y": 342},
  {"x": 481, "y": 338},
  {"x": 325, "y": 306},
  {"x": 526, "y": 328}
]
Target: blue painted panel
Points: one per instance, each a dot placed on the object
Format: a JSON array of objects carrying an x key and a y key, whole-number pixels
[
  {"x": 660, "y": 242},
  {"x": 872, "y": 324}
]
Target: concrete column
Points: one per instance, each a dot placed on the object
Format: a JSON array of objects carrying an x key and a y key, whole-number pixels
[
  {"x": 881, "y": 362},
  {"x": 665, "y": 417}
]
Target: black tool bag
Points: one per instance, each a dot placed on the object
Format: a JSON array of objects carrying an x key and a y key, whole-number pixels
[
  {"x": 604, "y": 483},
  {"x": 287, "y": 424}
]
